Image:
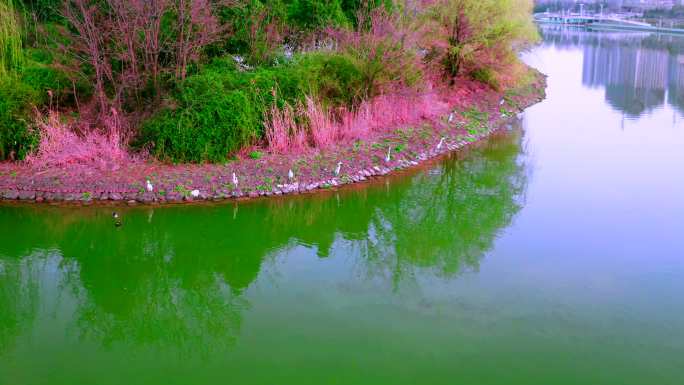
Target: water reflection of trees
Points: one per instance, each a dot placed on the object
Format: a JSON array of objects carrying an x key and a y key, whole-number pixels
[
  {"x": 639, "y": 71},
  {"x": 443, "y": 220},
  {"x": 447, "y": 221},
  {"x": 18, "y": 299},
  {"x": 176, "y": 277},
  {"x": 175, "y": 285}
]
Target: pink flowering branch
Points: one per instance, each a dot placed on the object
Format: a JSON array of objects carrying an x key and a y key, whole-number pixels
[
  {"x": 60, "y": 146},
  {"x": 377, "y": 115}
]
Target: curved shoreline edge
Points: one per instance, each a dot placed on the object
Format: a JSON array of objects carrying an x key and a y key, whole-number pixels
[{"x": 488, "y": 111}]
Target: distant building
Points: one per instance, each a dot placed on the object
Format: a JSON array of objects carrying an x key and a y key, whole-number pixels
[{"x": 648, "y": 4}]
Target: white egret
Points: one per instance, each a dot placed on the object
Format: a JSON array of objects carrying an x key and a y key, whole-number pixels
[
  {"x": 149, "y": 186},
  {"x": 440, "y": 144},
  {"x": 290, "y": 174},
  {"x": 338, "y": 168},
  {"x": 389, "y": 154},
  {"x": 235, "y": 180}
]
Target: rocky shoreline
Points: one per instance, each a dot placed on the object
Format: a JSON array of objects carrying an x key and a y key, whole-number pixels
[{"x": 483, "y": 112}]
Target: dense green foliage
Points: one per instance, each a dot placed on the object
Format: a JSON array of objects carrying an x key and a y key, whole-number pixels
[
  {"x": 205, "y": 131},
  {"x": 198, "y": 79},
  {"x": 30, "y": 79},
  {"x": 16, "y": 99},
  {"x": 10, "y": 38},
  {"x": 221, "y": 109},
  {"x": 25, "y": 79},
  {"x": 36, "y": 84},
  {"x": 211, "y": 117},
  {"x": 336, "y": 79},
  {"x": 54, "y": 86},
  {"x": 259, "y": 26},
  {"x": 43, "y": 10}
]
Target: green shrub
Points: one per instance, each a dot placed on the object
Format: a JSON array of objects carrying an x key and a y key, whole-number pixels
[
  {"x": 208, "y": 123},
  {"x": 257, "y": 27},
  {"x": 334, "y": 79},
  {"x": 16, "y": 103},
  {"x": 38, "y": 55},
  {"x": 44, "y": 10},
  {"x": 21, "y": 92},
  {"x": 313, "y": 14},
  {"x": 53, "y": 36},
  {"x": 352, "y": 8},
  {"x": 256, "y": 155},
  {"x": 220, "y": 109},
  {"x": 11, "y": 55},
  {"x": 486, "y": 76},
  {"x": 43, "y": 78}
]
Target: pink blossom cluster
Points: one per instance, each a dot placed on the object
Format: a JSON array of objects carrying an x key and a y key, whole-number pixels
[
  {"x": 61, "y": 146},
  {"x": 287, "y": 129}
]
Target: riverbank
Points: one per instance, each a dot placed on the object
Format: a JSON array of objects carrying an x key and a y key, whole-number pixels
[{"x": 478, "y": 111}]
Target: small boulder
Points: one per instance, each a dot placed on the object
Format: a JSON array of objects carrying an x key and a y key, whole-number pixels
[{"x": 11, "y": 194}]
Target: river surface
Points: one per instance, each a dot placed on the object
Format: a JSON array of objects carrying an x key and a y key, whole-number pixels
[{"x": 552, "y": 253}]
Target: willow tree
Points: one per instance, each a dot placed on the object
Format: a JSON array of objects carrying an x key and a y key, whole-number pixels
[
  {"x": 10, "y": 38},
  {"x": 475, "y": 35}
]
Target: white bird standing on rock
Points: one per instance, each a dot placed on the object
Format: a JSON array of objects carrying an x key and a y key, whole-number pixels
[
  {"x": 290, "y": 175},
  {"x": 338, "y": 168},
  {"x": 149, "y": 186},
  {"x": 235, "y": 180},
  {"x": 389, "y": 154},
  {"x": 451, "y": 117},
  {"x": 440, "y": 144}
]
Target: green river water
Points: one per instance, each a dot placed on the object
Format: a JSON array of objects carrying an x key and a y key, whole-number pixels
[{"x": 552, "y": 253}]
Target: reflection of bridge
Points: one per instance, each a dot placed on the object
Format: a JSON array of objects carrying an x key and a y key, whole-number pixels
[
  {"x": 614, "y": 22},
  {"x": 575, "y": 19}
]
